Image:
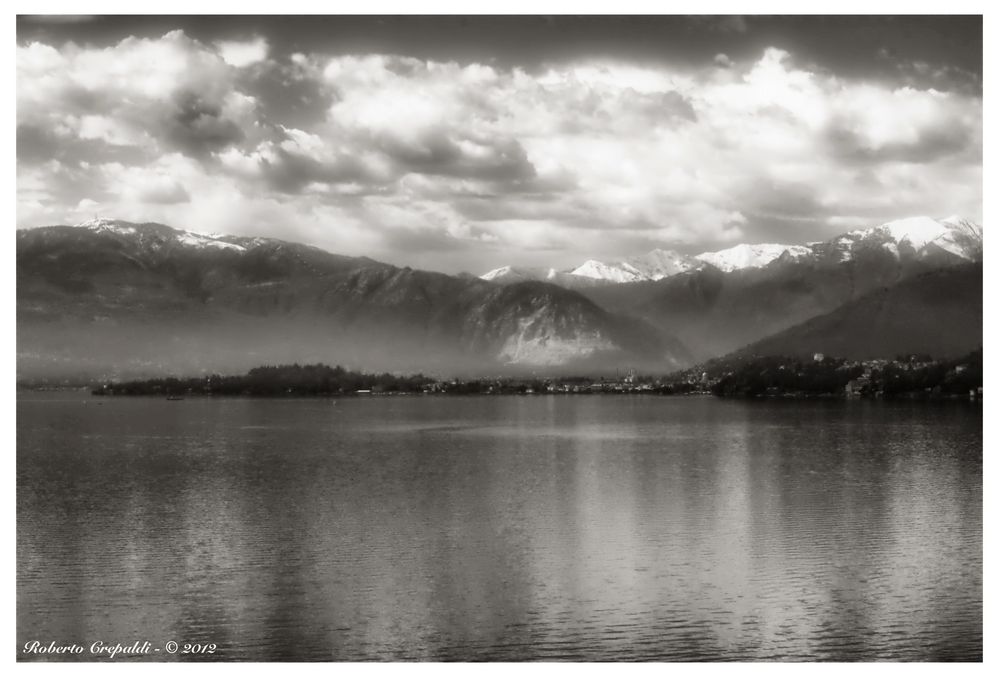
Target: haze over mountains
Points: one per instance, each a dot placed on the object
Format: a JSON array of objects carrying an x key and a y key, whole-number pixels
[
  {"x": 145, "y": 298},
  {"x": 115, "y": 298},
  {"x": 906, "y": 319}
]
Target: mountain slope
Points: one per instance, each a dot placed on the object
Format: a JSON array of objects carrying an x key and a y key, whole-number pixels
[
  {"x": 938, "y": 313},
  {"x": 715, "y": 313},
  {"x": 148, "y": 299}
]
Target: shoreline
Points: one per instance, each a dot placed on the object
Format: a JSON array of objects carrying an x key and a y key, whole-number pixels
[{"x": 635, "y": 393}]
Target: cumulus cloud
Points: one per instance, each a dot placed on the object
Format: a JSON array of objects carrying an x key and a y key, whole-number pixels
[
  {"x": 159, "y": 183},
  {"x": 168, "y": 93},
  {"x": 393, "y": 156},
  {"x": 242, "y": 54}
]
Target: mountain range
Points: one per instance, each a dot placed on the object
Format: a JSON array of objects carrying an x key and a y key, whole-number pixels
[
  {"x": 918, "y": 237},
  {"x": 111, "y": 296},
  {"x": 129, "y": 299}
]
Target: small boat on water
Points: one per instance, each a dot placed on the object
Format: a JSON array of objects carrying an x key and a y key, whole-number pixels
[{"x": 174, "y": 398}]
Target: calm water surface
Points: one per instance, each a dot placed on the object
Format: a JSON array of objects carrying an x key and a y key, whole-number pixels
[{"x": 502, "y": 528}]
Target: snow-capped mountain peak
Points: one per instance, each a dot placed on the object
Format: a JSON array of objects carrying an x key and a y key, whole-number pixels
[
  {"x": 612, "y": 272},
  {"x": 918, "y": 231},
  {"x": 919, "y": 236},
  {"x": 182, "y": 237},
  {"x": 654, "y": 265},
  {"x": 954, "y": 234},
  {"x": 751, "y": 255},
  {"x": 497, "y": 273},
  {"x": 101, "y": 225}
]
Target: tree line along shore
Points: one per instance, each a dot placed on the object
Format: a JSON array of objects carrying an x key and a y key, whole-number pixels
[{"x": 910, "y": 376}]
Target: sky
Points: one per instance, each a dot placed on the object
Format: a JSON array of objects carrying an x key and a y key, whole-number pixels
[{"x": 467, "y": 143}]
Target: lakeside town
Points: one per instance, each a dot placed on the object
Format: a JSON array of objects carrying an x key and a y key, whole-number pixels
[{"x": 909, "y": 376}]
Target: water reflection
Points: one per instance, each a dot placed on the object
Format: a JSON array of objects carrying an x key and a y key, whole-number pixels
[{"x": 504, "y": 528}]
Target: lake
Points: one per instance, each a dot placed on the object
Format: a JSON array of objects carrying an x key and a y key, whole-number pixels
[{"x": 506, "y": 528}]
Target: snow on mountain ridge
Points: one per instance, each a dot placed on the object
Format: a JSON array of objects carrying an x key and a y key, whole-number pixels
[
  {"x": 661, "y": 263},
  {"x": 954, "y": 234},
  {"x": 497, "y": 273},
  {"x": 508, "y": 273},
  {"x": 751, "y": 255},
  {"x": 201, "y": 241},
  {"x": 108, "y": 226},
  {"x": 183, "y": 237},
  {"x": 598, "y": 270},
  {"x": 917, "y": 230}
]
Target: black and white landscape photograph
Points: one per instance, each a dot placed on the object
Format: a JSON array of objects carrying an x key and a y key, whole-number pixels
[{"x": 499, "y": 338}]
